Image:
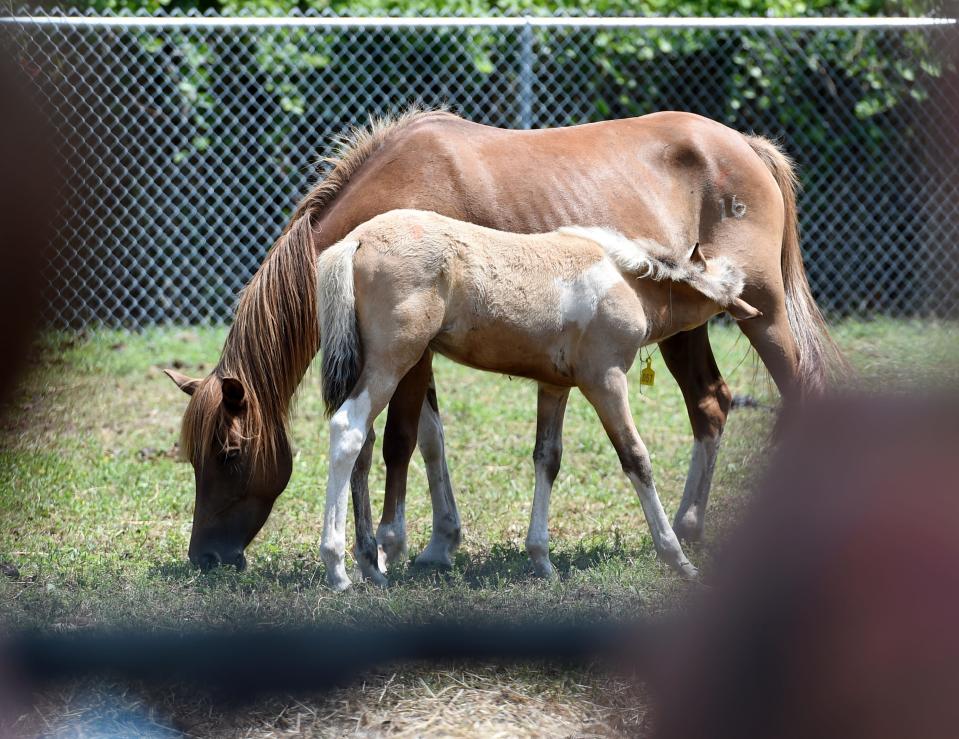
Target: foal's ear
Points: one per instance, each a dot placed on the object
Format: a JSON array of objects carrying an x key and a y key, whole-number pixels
[
  {"x": 186, "y": 384},
  {"x": 696, "y": 255},
  {"x": 741, "y": 310},
  {"x": 234, "y": 394}
]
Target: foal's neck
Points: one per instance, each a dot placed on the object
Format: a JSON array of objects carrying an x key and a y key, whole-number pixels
[{"x": 669, "y": 310}]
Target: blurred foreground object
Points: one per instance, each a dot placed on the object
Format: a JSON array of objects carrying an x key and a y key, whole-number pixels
[
  {"x": 836, "y": 610},
  {"x": 28, "y": 200}
]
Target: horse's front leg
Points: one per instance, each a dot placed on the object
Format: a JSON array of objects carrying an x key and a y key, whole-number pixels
[
  {"x": 399, "y": 441},
  {"x": 547, "y": 456},
  {"x": 367, "y": 554},
  {"x": 689, "y": 358}
]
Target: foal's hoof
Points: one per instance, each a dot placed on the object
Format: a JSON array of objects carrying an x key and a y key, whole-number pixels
[
  {"x": 338, "y": 581},
  {"x": 545, "y": 570},
  {"x": 688, "y": 572}
]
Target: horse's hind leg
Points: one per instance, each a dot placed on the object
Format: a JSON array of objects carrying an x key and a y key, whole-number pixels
[
  {"x": 610, "y": 399},
  {"x": 399, "y": 441},
  {"x": 547, "y": 456},
  {"x": 689, "y": 358},
  {"x": 772, "y": 338},
  {"x": 446, "y": 518}
]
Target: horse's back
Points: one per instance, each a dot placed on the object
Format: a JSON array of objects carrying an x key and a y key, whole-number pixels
[{"x": 673, "y": 177}]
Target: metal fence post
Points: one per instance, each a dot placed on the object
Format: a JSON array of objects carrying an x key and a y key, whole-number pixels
[{"x": 526, "y": 75}]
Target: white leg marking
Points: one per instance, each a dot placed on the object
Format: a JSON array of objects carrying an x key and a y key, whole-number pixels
[
  {"x": 665, "y": 541},
  {"x": 391, "y": 537},
  {"x": 547, "y": 456},
  {"x": 691, "y": 516},
  {"x": 348, "y": 429},
  {"x": 446, "y": 519},
  {"x": 537, "y": 538}
]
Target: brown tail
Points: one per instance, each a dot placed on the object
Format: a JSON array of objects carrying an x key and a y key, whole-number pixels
[{"x": 819, "y": 357}]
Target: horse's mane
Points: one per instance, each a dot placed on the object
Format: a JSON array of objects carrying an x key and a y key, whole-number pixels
[
  {"x": 352, "y": 148},
  {"x": 275, "y": 332},
  {"x": 720, "y": 280}
]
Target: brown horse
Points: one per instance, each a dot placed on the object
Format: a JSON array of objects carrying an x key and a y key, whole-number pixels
[
  {"x": 567, "y": 309},
  {"x": 675, "y": 178}
]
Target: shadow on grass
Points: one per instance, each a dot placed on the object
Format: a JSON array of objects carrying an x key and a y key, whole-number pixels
[
  {"x": 507, "y": 563},
  {"x": 500, "y": 565},
  {"x": 297, "y": 573}
]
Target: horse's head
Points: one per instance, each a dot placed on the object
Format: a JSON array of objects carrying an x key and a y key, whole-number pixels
[{"x": 241, "y": 464}]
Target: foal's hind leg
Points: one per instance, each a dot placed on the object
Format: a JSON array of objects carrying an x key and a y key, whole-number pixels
[
  {"x": 365, "y": 549},
  {"x": 349, "y": 427},
  {"x": 610, "y": 399},
  {"x": 413, "y": 419},
  {"x": 689, "y": 358},
  {"x": 547, "y": 456}
]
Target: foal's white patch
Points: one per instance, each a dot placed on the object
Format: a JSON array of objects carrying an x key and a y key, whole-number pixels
[
  {"x": 349, "y": 424},
  {"x": 579, "y": 298}
]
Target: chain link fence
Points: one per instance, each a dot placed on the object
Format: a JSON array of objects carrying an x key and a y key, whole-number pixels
[{"x": 189, "y": 139}]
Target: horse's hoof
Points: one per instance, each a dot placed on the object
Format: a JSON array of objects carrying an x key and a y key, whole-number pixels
[
  {"x": 688, "y": 572},
  {"x": 392, "y": 546},
  {"x": 434, "y": 558},
  {"x": 688, "y": 529},
  {"x": 377, "y": 578}
]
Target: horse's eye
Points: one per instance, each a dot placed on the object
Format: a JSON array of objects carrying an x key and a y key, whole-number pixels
[{"x": 231, "y": 455}]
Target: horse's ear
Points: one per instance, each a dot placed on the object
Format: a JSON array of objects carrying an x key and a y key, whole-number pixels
[
  {"x": 186, "y": 384},
  {"x": 696, "y": 255},
  {"x": 741, "y": 310},
  {"x": 234, "y": 394}
]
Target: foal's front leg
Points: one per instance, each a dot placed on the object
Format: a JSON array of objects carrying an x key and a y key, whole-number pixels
[
  {"x": 609, "y": 397},
  {"x": 547, "y": 456}
]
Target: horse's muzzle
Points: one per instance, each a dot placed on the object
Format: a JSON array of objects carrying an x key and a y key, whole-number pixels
[{"x": 210, "y": 559}]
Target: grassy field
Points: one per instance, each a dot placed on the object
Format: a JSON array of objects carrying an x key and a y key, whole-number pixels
[{"x": 97, "y": 508}]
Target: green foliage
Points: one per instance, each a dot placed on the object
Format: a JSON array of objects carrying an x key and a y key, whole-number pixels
[{"x": 828, "y": 90}]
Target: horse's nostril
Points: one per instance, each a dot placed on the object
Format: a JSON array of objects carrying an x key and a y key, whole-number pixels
[{"x": 208, "y": 560}]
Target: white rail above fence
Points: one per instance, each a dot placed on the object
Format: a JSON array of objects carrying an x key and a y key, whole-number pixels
[{"x": 124, "y": 21}]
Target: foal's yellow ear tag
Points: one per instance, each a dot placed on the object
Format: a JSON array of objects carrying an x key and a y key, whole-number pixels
[{"x": 647, "y": 376}]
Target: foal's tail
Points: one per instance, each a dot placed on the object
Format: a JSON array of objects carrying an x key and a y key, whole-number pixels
[
  {"x": 340, "y": 339},
  {"x": 819, "y": 357}
]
